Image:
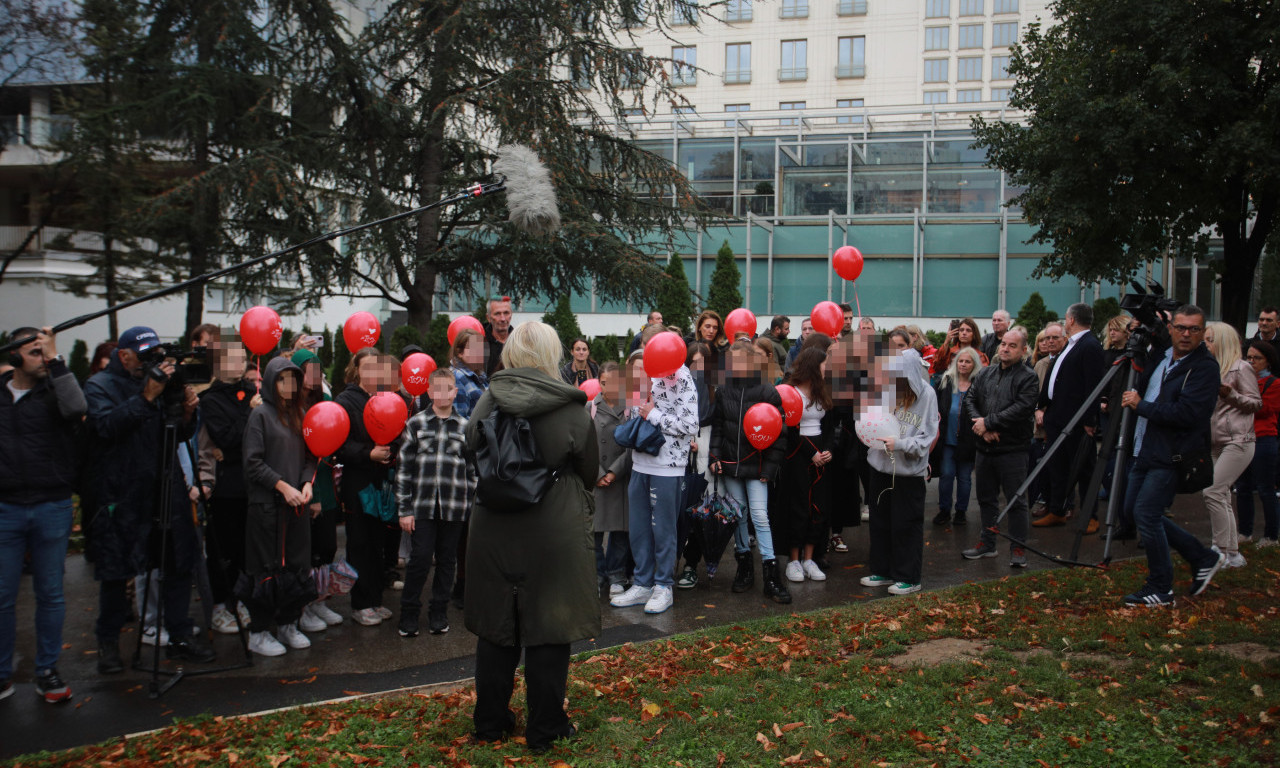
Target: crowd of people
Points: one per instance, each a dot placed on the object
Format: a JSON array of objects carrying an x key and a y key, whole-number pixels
[{"x": 216, "y": 483}]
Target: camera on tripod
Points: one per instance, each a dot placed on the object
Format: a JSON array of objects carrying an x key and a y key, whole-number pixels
[
  {"x": 1152, "y": 309},
  {"x": 190, "y": 367}
]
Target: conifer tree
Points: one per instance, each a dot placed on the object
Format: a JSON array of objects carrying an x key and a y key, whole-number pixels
[
  {"x": 723, "y": 295},
  {"x": 675, "y": 299}
]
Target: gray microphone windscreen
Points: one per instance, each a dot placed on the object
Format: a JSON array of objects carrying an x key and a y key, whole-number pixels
[{"x": 531, "y": 198}]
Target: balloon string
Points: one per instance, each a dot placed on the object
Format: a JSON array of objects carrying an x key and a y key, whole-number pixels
[
  {"x": 855, "y": 298},
  {"x": 257, "y": 360}
]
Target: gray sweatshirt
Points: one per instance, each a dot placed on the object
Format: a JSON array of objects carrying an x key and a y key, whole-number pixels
[
  {"x": 917, "y": 425},
  {"x": 272, "y": 451}
]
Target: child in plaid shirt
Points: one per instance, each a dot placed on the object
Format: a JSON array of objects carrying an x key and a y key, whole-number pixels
[{"x": 435, "y": 485}]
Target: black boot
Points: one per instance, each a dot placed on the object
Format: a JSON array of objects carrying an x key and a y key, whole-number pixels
[
  {"x": 774, "y": 588},
  {"x": 746, "y": 577},
  {"x": 109, "y": 661}
]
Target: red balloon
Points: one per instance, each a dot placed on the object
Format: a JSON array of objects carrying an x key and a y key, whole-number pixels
[
  {"x": 762, "y": 424},
  {"x": 591, "y": 387},
  {"x": 415, "y": 371},
  {"x": 384, "y": 417},
  {"x": 361, "y": 330},
  {"x": 325, "y": 428},
  {"x": 466, "y": 321},
  {"x": 260, "y": 329},
  {"x": 828, "y": 318},
  {"x": 847, "y": 261},
  {"x": 740, "y": 320},
  {"x": 664, "y": 354},
  {"x": 792, "y": 404}
]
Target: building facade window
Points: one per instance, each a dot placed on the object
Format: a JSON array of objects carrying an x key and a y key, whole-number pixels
[
  {"x": 738, "y": 10},
  {"x": 633, "y": 112},
  {"x": 790, "y": 105},
  {"x": 737, "y": 63},
  {"x": 794, "y": 9},
  {"x": 685, "y": 110},
  {"x": 684, "y": 62},
  {"x": 935, "y": 97},
  {"x": 849, "y": 104},
  {"x": 851, "y": 7},
  {"x": 935, "y": 70},
  {"x": 937, "y": 9},
  {"x": 999, "y": 94},
  {"x": 735, "y": 108},
  {"x": 971, "y": 35},
  {"x": 968, "y": 68},
  {"x": 937, "y": 38},
  {"x": 999, "y": 67},
  {"x": 795, "y": 56},
  {"x": 1004, "y": 33},
  {"x": 684, "y": 12},
  {"x": 1006, "y": 6},
  {"x": 972, "y": 7},
  {"x": 968, "y": 95},
  {"x": 852, "y": 57}
]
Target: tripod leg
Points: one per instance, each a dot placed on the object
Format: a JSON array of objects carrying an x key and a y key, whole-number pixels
[{"x": 1089, "y": 498}]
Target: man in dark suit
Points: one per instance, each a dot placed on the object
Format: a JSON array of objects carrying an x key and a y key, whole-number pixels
[{"x": 1078, "y": 369}]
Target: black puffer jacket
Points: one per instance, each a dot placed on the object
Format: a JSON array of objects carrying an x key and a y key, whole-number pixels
[
  {"x": 729, "y": 443},
  {"x": 965, "y": 438},
  {"x": 37, "y": 438},
  {"x": 224, "y": 412},
  {"x": 358, "y": 470},
  {"x": 1005, "y": 398}
]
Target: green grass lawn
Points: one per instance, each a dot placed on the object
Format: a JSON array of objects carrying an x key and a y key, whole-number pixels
[{"x": 1044, "y": 668}]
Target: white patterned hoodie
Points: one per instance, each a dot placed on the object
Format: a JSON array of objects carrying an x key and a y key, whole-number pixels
[{"x": 675, "y": 412}]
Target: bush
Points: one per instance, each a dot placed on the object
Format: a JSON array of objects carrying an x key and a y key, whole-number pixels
[
  {"x": 403, "y": 337},
  {"x": 675, "y": 300},
  {"x": 79, "y": 361},
  {"x": 608, "y": 349},
  {"x": 1103, "y": 310},
  {"x": 564, "y": 321}
]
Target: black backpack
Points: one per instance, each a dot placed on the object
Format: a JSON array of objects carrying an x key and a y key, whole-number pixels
[{"x": 511, "y": 475}]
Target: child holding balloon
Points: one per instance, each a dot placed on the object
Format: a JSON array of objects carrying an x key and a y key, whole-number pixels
[
  {"x": 807, "y": 502},
  {"x": 899, "y": 465}
]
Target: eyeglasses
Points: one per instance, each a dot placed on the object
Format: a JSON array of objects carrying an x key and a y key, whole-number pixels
[
  {"x": 1185, "y": 329},
  {"x": 1255, "y": 357}
]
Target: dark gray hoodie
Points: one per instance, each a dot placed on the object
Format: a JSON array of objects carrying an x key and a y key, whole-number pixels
[{"x": 272, "y": 451}]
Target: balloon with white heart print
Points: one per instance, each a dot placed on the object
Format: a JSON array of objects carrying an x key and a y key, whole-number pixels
[
  {"x": 874, "y": 425},
  {"x": 762, "y": 424},
  {"x": 415, "y": 373},
  {"x": 361, "y": 330}
]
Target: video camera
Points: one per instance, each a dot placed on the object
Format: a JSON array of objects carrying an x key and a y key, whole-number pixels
[
  {"x": 191, "y": 367},
  {"x": 1152, "y": 309}
]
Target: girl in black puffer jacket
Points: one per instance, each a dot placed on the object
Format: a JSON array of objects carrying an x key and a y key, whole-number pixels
[{"x": 743, "y": 471}]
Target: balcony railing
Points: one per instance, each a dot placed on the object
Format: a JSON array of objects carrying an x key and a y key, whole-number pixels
[
  {"x": 737, "y": 77},
  {"x": 794, "y": 10},
  {"x": 793, "y": 73},
  {"x": 851, "y": 7},
  {"x": 844, "y": 71}
]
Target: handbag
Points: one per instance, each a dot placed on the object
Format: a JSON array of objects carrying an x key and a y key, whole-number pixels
[
  {"x": 379, "y": 501},
  {"x": 511, "y": 475},
  {"x": 640, "y": 435},
  {"x": 1193, "y": 470}
]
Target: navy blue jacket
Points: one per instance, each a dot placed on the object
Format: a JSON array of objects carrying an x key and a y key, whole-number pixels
[{"x": 1178, "y": 419}]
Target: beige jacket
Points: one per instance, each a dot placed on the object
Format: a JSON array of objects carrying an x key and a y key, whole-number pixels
[{"x": 1233, "y": 415}]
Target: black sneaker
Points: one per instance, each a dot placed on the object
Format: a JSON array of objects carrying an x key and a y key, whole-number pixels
[
  {"x": 982, "y": 549},
  {"x": 438, "y": 624},
  {"x": 958, "y": 518},
  {"x": 1149, "y": 598},
  {"x": 1203, "y": 575},
  {"x": 1018, "y": 558},
  {"x": 6, "y": 689},
  {"x": 942, "y": 518},
  {"x": 408, "y": 626},
  {"x": 190, "y": 648},
  {"x": 109, "y": 661},
  {"x": 52, "y": 687}
]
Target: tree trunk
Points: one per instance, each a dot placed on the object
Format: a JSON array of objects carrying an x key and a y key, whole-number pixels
[
  {"x": 205, "y": 213},
  {"x": 109, "y": 282}
]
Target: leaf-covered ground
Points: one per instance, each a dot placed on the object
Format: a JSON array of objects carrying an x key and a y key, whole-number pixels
[{"x": 1035, "y": 669}]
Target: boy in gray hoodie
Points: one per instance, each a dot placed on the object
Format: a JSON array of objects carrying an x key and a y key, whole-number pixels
[{"x": 899, "y": 466}]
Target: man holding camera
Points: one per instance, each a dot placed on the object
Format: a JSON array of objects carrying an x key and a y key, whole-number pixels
[
  {"x": 127, "y": 417},
  {"x": 1174, "y": 408},
  {"x": 40, "y": 407}
]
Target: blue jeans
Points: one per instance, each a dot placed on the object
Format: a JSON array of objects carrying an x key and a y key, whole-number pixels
[
  {"x": 1150, "y": 492},
  {"x": 653, "y": 505},
  {"x": 43, "y": 530},
  {"x": 611, "y": 561},
  {"x": 752, "y": 493},
  {"x": 1260, "y": 477},
  {"x": 959, "y": 473}
]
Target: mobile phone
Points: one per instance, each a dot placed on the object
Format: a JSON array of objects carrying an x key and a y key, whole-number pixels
[
  {"x": 319, "y": 340},
  {"x": 954, "y": 325}
]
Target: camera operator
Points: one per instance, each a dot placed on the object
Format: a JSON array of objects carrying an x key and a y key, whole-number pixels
[
  {"x": 40, "y": 407},
  {"x": 127, "y": 417},
  {"x": 1174, "y": 404}
]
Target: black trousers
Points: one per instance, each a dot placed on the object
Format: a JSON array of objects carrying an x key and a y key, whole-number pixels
[
  {"x": 365, "y": 538},
  {"x": 324, "y": 538},
  {"x": 1062, "y": 490},
  {"x": 546, "y": 675},
  {"x": 807, "y": 501},
  {"x": 896, "y": 526},
  {"x": 225, "y": 542},
  {"x": 430, "y": 539},
  {"x": 275, "y": 533}
]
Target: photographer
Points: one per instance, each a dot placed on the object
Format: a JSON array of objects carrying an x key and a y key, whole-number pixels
[
  {"x": 40, "y": 406},
  {"x": 127, "y": 415}
]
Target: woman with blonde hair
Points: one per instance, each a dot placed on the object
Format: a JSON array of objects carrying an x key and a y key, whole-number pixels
[
  {"x": 1232, "y": 433},
  {"x": 952, "y": 456},
  {"x": 531, "y": 574}
]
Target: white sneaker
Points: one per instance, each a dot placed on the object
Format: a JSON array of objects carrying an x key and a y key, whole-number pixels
[
  {"x": 637, "y": 595},
  {"x": 149, "y": 637},
  {"x": 326, "y": 614},
  {"x": 367, "y": 616},
  {"x": 383, "y": 612},
  {"x": 263, "y": 644},
  {"x": 292, "y": 637},
  {"x": 795, "y": 571},
  {"x": 397, "y": 585},
  {"x": 866, "y": 513},
  {"x": 223, "y": 622},
  {"x": 243, "y": 612},
  {"x": 812, "y": 571},
  {"x": 660, "y": 600},
  {"x": 310, "y": 622},
  {"x": 616, "y": 589},
  {"x": 903, "y": 588},
  {"x": 1265, "y": 542},
  {"x": 1234, "y": 559}
]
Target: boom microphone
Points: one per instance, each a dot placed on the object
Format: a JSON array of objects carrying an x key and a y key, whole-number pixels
[{"x": 531, "y": 198}]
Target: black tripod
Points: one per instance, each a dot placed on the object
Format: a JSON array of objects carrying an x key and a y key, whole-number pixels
[
  {"x": 164, "y": 535},
  {"x": 1115, "y": 442}
]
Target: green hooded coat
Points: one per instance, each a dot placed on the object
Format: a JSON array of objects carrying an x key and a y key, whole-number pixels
[{"x": 536, "y": 569}]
